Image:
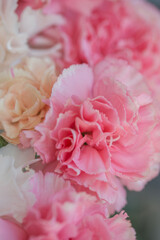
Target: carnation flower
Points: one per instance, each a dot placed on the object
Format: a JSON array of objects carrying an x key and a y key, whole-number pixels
[
  {"x": 98, "y": 128},
  {"x": 123, "y": 28},
  {"x": 126, "y": 29},
  {"x": 12, "y": 41},
  {"x": 61, "y": 213},
  {"x": 15, "y": 190},
  {"x": 33, "y": 22},
  {"x": 94, "y": 129},
  {"x": 23, "y": 90},
  {"x": 15, "y": 32}
]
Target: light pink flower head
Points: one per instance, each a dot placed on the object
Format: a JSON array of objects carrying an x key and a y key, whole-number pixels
[
  {"x": 129, "y": 29},
  {"x": 98, "y": 128},
  {"x": 62, "y": 213}
]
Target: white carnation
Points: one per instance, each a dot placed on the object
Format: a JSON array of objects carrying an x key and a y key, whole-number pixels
[{"x": 15, "y": 194}]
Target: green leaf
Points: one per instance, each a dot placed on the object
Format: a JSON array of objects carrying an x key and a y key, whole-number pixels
[
  {"x": 2, "y": 142},
  {"x": 36, "y": 156}
]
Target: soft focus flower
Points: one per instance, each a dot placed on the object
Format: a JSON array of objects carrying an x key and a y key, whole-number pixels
[
  {"x": 33, "y": 22},
  {"x": 98, "y": 128},
  {"x": 61, "y": 213},
  {"x": 127, "y": 29},
  {"x": 23, "y": 90},
  {"x": 123, "y": 28},
  {"x": 15, "y": 190},
  {"x": 15, "y": 32},
  {"x": 12, "y": 41},
  {"x": 53, "y": 34}
]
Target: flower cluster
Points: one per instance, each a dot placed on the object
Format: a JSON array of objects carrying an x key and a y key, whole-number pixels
[
  {"x": 64, "y": 214},
  {"x": 79, "y": 110}
]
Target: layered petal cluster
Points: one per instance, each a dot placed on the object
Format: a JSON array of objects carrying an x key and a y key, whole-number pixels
[
  {"x": 23, "y": 90},
  {"x": 94, "y": 127},
  {"x": 98, "y": 129},
  {"x": 12, "y": 41},
  {"x": 64, "y": 214},
  {"x": 126, "y": 29},
  {"x": 15, "y": 31},
  {"x": 34, "y": 22},
  {"x": 15, "y": 190}
]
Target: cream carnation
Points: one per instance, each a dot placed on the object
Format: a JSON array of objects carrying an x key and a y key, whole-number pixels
[
  {"x": 23, "y": 90},
  {"x": 15, "y": 190}
]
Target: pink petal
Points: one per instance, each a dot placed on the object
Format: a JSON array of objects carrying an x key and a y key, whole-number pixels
[
  {"x": 77, "y": 81},
  {"x": 93, "y": 161},
  {"x": 12, "y": 231}
]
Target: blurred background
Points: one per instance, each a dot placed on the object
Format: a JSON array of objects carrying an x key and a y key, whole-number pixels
[
  {"x": 157, "y": 3},
  {"x": 143, "y": 207}
]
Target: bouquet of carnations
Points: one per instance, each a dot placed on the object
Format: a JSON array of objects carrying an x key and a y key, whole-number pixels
[{"x": 79, "y": 116}]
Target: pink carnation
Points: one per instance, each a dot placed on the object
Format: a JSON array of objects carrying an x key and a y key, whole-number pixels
[
  {"x": 61, "y": 213},
  {"x": 124, "y": 28},
  {"x": 127, "y": 29},
  {"x": 98, "y": 128}
]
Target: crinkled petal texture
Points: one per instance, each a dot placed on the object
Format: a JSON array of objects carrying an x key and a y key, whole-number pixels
[
  {"x": 15, "y": 189},
  {"x": 126, "y": 29},
  {"x": 98, "y": 129},
  {"x": 23, "y": 90},
  {"x": 61, "y": 213}
]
